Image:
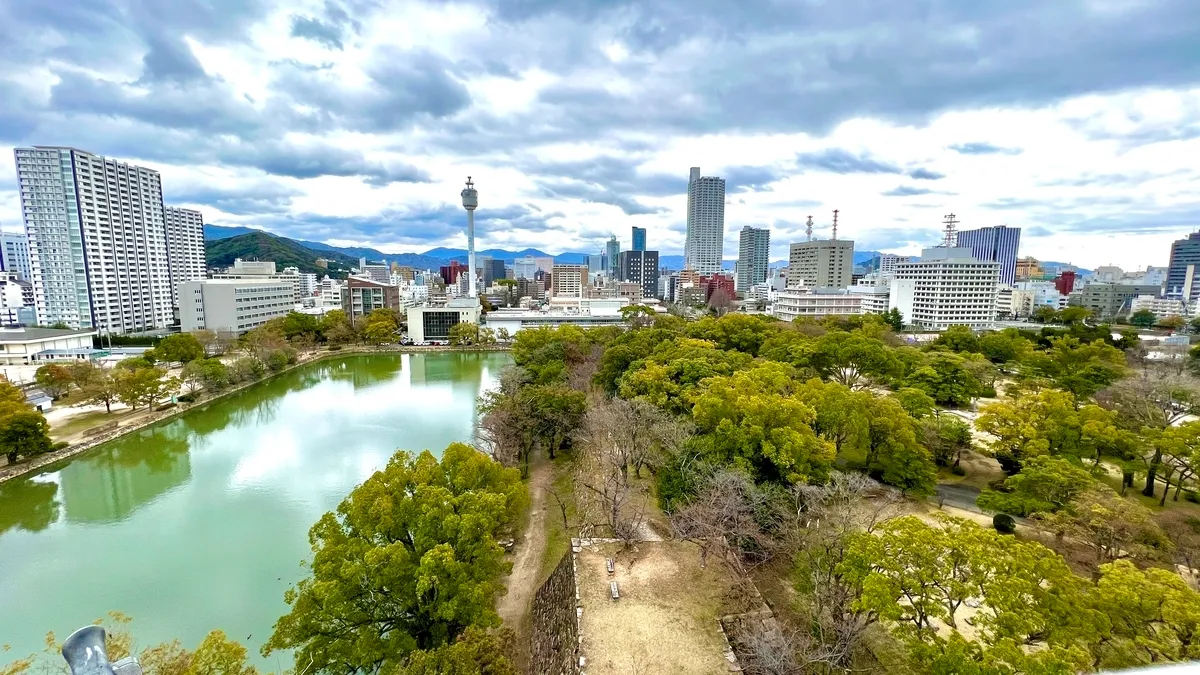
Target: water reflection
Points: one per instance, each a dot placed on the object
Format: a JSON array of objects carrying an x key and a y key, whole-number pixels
[
  {"x": 111, "y": 484},
  {"x": 28, "y": 505},
  {"x": 365, "y": 371}
]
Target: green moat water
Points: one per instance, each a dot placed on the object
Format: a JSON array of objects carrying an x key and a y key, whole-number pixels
[{"x": 202, "y": 522}]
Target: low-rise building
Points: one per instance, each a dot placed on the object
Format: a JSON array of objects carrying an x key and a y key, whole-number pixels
[
  {"x": 262, "y": 270},
  {"x": 1159, "y": 307},
  {"x": 875, "y": 294},
  {"x": 21, "y": 346},
  {"x": 233, "y": 306},
  {"x": 362, "y": 296},
  {"x": 816, "y": 303},
  {"x": 428, "y": 324},
  {"x": 586, "y": 314},
  {"x": 1107, "y": 299}
]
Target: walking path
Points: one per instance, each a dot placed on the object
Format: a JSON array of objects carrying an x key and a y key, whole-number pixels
[{"x": 513, "y": 607}]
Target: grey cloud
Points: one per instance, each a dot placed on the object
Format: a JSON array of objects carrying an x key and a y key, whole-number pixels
[
  {"x": 312, "y": 161},
  {"x": 317, "y": 31},
  {"x": 746, "y": 178},
  {"x": 925, "y": 174},
  {"x": 982, "y": 148},
  {"x": 170, "y": 59},
  {"x": 250, "y": 198},
  {"x": 837, "y": 160},
  {"x": 589, "y": 192},
  {"x": 906, "y": 191}
]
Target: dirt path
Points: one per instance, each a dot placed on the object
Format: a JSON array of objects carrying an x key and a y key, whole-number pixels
[{"x": 513, "y": 607}]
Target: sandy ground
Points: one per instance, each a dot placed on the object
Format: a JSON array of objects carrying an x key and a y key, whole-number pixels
[
  {"x": 665, "y": 622},
  {"x": 513, "y": 607}
]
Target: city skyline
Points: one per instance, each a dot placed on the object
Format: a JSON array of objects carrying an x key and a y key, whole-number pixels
[{"x": 352, "y": 123}]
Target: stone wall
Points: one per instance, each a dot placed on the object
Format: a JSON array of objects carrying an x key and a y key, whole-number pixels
[{"x": 555, "y": 640}]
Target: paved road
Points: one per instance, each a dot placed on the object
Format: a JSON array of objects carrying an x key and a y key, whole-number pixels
[{"x": 959, "y": 496}]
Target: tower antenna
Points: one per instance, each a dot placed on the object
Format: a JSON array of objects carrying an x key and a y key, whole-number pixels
[
  {"x": 470, "y": 200},
  {"x": 835, "y": 212},
  {"x": 808, "y": 229},
  {"x": 951, "y": 236}
]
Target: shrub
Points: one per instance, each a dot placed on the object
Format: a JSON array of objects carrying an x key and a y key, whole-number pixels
[
  {"x": 60, "y": 445},
  {"x": 335, "y": 348},
  {"x": 1004, "y": 523},
  {"x": 188, "y": 398},
  {"x": 1192, "y": 496},
  {"x": 957, "y": 470}
]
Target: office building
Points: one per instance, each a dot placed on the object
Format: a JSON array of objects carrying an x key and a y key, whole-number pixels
[
  {"x": 1065, "y": 282},
  {"x": 1184, "y": 253},
  {"x": 14, "y": 255},
  {"x": 309, "y": 286},
  {"x": 640, "y": 267},
  {"x": 262, "y": 270},
  {"x": 705, "y": 223},
  {"x": 754, "y": 257},
  {"x": 887, "y": 264},
  {"x": 639, "y": 239},
  {"x": 1028, "y": 268},
  {"x": 612, "y": 254},
  {"x": 16, "y": 300},
  {"x": 1161, "y": 308},
  {"x": 817, "y": 304},
  {"x": 451, "y": 272},
  {"x": 428, "y": 324},
  {"x": 525, "y": 268},
  {"x": 493, "y": 269},
  {"x": 946, "y": 287},
  {"x": 233, "y": 306},
  {"x": 821, "y": 263},
  {"x": 596, "y": 263},
  {"x": 568, "y": 281},
  {"x": 380, "y": 271},
  {"x": 361, "y": 296},
  {"x": 996, "y": 244},
  {"x": 1107, "y": 299},
  {"x": 588, "y": 314},
  {"x": 97, "y": 240},
  {"x": 185, "y": 247}
]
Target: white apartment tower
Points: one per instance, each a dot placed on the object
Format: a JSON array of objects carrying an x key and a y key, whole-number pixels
[
  {"x": 185, "y": 247},
  {"x": 946, "y": 287},
  {"x": 97, "y": 240},
  {"x": 14, "y": 254},
  {"x": 705, "y": 223},
  {"x": 754, "y": 247}
]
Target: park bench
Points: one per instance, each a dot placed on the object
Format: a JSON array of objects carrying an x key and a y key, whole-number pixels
[{"x": 612, "y": 589}]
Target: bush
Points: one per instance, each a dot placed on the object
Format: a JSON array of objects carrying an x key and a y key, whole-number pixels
[
  {"x": 60, "y": 445},
  {"x": 957, "y": 470},
  {"x": 1192, "y": 496},
  {"x": 188, "y": 398},
  {"x": 1004, "y": 523},
  {"x": 335, "y": 348}
]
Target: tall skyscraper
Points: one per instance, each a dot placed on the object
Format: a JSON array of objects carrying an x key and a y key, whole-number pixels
[
  {"x": 14, "y": 254},
  {"x": 1185, "y": 253},
  {"x": 185, "y": 247},
  {"x": 97, "y": 240},
  {"x": 612, "y": 250},
  {"x": 754, "y": 248},
  {"x": 640, "y": 267},
  {"x": 705, "y": 223},
  {"x": 994, "y": 244},
  {"x": 493, "y": 269},
  {"x": 639, "y": 239},
  {"x": 821, "y": 263}
]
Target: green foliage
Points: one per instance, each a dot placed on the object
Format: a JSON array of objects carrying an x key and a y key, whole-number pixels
[
  {"x": 549, "y": 353},
  {"x": 277, "y": 360},
  {"x": 1047, "y": 422},
  {"x": 895, "y": 456},
  {"x": 335, "y": 328},
  {"x": 915, "y": 402},
  {"x": 739, "y": 332},
  {"x": 1082, "y": 368},
  {"x": 894, "y": 319},
  {"x": 410, "y": 561},
  {"x": 1074, "y": 315},
  {"x": 946, "y": 379},
  {"x": 475, "y": 652},
  {"x": 852, "y": 359},
  {"x": 1044, "y": 485},
  {"x": 296, "y": 325},
  {"x": 960, "y": 339},
  {"x": 380, "y": 326},
  {"x": 1004, "y": 523},
  {"x": 179, "y": 348},
  {"x": 263, "y": 246},
  {"x": 54, "y": 379},
  {"x": 1044, "y": 314},
  {"x": 1152, "y": 617},
  {"x": 24, "y": 433},
  {"x": 753, "y": 421},
  {"x": 667, "y": 377},
  {"x": 471, "y": 334},
  {"x": 143, "y": 386},
  {"x": 1005, "y": 347},
  {"x": 626, "y": 349},
  {"x": 1143, "y": 318},
  {"x": 947, "y": 437},
  {"x": 136, "y": 362},
  {"x": 555, "y": 411}
]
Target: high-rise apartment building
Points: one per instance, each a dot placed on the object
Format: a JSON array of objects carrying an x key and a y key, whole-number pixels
[
  {"x": 946, "y": 287},
  {"x": 568, "y": 281},
  {"x": 705, "y": 223},
  {"x": 640, "y": 267},
  {"x": 996, "y": 244},
  {"x": 14, "y": 254},
  {"x": 97, "y": 240},
  {"x": 612, "y": 252},
  {"x": 639, "y": 239},
  {"x": 185, "y": 247},
  {"x": 821, "y": 263},
  {"x": 754, "y": 257},
  {"x": 1184, "y": 253}
]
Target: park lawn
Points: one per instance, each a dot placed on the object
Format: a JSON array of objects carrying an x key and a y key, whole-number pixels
[{"x": 82, "y": 422}]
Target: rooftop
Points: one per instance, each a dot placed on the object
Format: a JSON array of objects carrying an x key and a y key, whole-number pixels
[{"x": 20, "y": 334}]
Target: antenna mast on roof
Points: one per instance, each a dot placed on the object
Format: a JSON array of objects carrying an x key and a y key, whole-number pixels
[
  {"x": 835, "y": 212},
  {"x": 808, "y": 230},
  {"x": 951, "y": 236}
]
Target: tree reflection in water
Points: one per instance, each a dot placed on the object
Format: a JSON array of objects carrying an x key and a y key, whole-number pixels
[{"x": 28, "y": 505}]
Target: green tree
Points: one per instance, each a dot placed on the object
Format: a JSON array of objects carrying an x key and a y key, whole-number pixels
[
  {"x": 1110, "y": 525},
  {"x": 24, "y": 433},
  {"x": 894, "y": 319},
  {"x": 749, "y": 420},
  {"x": 83, "y": 373},
  {"x": 296, "y": 324},
  {"x": 101, "y": 388},
  {"x": 1047, "y": 423},
  {"x": 179, "y": 348},
  {"x": 960, "y": 339},
  {"x": 852, "y": 359},
  {"x": 1005, "y": 347},
  {"x": 409, "y": 561},
  {"x": 637, "y": 315},
  {"x": 144, "y": 386},
  {"x": 1143, "y": 318},
  {"x": 475, "y": 652},
  {"x": 556, "y": 411},
  {"x": 214, "y": 374},
  {"x": 947, "y": 437},
  {"x": 944, "y": 377},
  {"x": 1152, "y": 617},
  {"x": 1044, "y": 485},
  {"x": 550, "y": 353},
  {"x": 380, "y": 326},
  {"x": 1044, "y": 314},
  {"x": 464, "y": 334},
  {"x": 277, "y": 360},
  {"x": 191, "y": 377},
  {"x": 1171, "y": 323},
  {"x": 54, "y": 379},
  {"x": 741, "y": 332},
  {"x": 894, "y": 454},
  {"x": 136, "y": 362},
  {"x": 1082, "y": 368},
  {"x": 1074, "y": 315},
  {"x": 626, "y": 349},
  {"x": 915, "y": 402},
  {"x": 670, "y": 374},
  {"x": 335, "y": 328}
]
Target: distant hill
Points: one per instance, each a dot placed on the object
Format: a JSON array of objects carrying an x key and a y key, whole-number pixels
[
  {"x": 212, "y": 232},
  {"x": 282, "y": 251}
]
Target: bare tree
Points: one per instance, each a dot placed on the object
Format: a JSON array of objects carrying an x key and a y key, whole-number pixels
[
  {"x": 731, "y": 517},
  {"x": 605, "y": 497}
]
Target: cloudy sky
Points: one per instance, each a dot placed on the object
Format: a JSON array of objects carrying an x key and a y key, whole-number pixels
[{"x": 356, "y": 121}]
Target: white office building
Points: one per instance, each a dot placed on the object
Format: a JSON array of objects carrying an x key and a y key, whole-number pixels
[
  {"x": 525, "y": 268},
  {"x": 946, "y": 287},
  {"x": 233, "y": 305},
  {"x": 816, "y": 303},
  {"x": 568, "y": 281},
  {"x": 875, "y": 294},
  {"x": 14, "y": 255},
  {"x": 705, "y": 223},
  {"x": 264, "y": 270},
  {"x": 754, "y": 257},
  {"x": 185, "y": 247},
  {"x": 887, "y": 264},
  {"x": 97, "y": 240}
]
